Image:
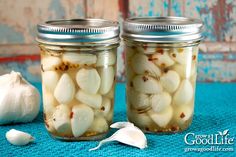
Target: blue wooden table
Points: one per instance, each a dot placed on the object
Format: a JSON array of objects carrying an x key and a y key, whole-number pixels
[{"x": 215, "y": 111}]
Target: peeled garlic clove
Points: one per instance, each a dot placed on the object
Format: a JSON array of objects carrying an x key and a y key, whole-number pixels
[
  {"x": 129, "y": 135},
  {"x": 61, "y": 119},
  {"x": 141, "y": 65},
  {"x": 147, "y": 49},
  {"x": 107, "y": 75},
  {"x": 82, "y": 119},
  {"x": 49, "y": 102},
  {"x": 160, "y": 101},
  {"x": 50, "y": 63},
  {"x": 163, "y": 118},
  {"x": 111, "y": 93},
  {"x": 185, "y": 71},
  {"x": 162, "y": 59},
  {"x": 106, "y": 58},
  {"x": 109, "y": 116},
  {"x": 181, "y": 55},
  {"x": 170, "y": 81},
  {"x": 184, "y": 94},
  {"x": 146, "y": 84},
  {"x": 99, "y": 125},
  {"x": 88, "y": 80},
  {"x": 119, "y": 125},
  {"x": 18, "y": 138},
  {"x": 79, "y": 58},
  {"x": 65, "y": 89},
  {"x": 137, "y": 99},
  {"x": 105, "y": 108},
  {"x": 141, "y": 120},
  {"x": 50, "y": 79},
  {"x": 93, "y": 100},
  {"x": 183, "y": 113}
]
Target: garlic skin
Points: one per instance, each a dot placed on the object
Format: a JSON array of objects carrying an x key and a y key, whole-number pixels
[
  {"x": 127, "y": 134},
  {"x": 19, "y": 100},
  {"x": 18, "y": 138}
]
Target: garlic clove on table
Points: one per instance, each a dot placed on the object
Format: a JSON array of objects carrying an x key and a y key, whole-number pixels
[
  {"x": 19, "y": 100},
  {"x": 127, "y": 134},
  {"x": 18, "y": 138}
]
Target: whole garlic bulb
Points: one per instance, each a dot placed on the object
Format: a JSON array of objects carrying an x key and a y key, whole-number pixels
[{"x": 19, "y": 100}]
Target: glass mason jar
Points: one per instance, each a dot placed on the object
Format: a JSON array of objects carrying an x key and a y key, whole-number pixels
[
  {"x": 161, "y": 63},
  {"x": 78, "y": 65}
]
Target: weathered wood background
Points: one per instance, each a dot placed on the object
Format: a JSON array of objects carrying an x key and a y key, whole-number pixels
[{"x": 18, "y": 18}]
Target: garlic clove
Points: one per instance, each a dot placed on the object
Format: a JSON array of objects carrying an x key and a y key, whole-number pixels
[
  {"x": 105, "y": 108},
  {"x": 79, "y": 58},
  {"x": 146, "y": 84},
  {"x": 109, "y": 116},
  {"x": 163, "y": 118},
  {"x": 160, "y": 102},
  {"x": 185, "y": 71},
  {"x": 141, "y": 65},
  {"x": 65, "y": 89},
  {"x": 49, "y": 102},
  {"x": 88, "y": 80},
  {"x": 138, "y": 100},
  {"x": 50, "y": 79},
  {"x": 107, "y": 75},
  {"x": 184, "y": 94},
  {"x": 170, "y": 81},
  {"x": 81, "y": 119},
  {"x": 141, "y": 120},
  {"x": 162, "y": 59},
  {"x": 181, "y": 55},
  {"x": 61, "y": 119},
  {"x": 119, "y": 125},
  {"x": 50, "y": 63},
  {"x": 99, "y": 125},
  {"x": 111, "y": 93},
  {"x": 93, "y": 100},
  {"x": 146, "y": 49},
  {"x": 106, "y": 58},
  {"x": 183, "y": 113},
  {"x": 129, "y": 135},
  {"x": 18, "y": 138}
]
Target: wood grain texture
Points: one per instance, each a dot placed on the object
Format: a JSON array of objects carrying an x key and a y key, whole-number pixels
[{"x": 106, "y": 9}]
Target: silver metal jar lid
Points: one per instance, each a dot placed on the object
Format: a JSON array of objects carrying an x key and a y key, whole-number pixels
[
  {"x": 163, "y": 29},
  {"x": 69, "y": 32}
]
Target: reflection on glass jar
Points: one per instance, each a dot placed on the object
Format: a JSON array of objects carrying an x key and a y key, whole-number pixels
[
  {"x": 161, "y": 77},
  {"x": 78, "y": 80}
]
